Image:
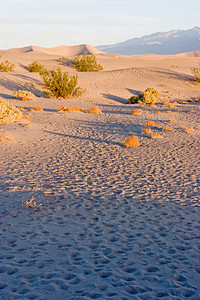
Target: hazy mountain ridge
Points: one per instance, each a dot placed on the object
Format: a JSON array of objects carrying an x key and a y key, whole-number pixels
[{"x": 171, "y": 42}]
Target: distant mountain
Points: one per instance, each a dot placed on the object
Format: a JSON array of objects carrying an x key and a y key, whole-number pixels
[{"x": 171, "y": 42}]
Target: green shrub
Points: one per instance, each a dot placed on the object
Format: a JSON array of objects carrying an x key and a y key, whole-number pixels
[
  {"x": 58, "y": 84},
  {"x": 149, "y": 96},
  {"x": 196, "y": 73},
  {"x": 8, "y": 114},
  {"x": 36, "y": 67},
  {"x": 87, "y": 63},
  {"x": 7, "y": 66},
  {"x": 64, "y": 58}
]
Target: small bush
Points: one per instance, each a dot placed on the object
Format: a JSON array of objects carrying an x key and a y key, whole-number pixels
[
  {"x": 37, "y": 108},
  {"x": 132, "y": 141},
  {"x": 150, "y": 123},
  {"x": 9, "y": 114},
  {"x": 36, "y": 67},
  {"x": 149, "y": 96},
  {"x": 135, "y": 112},
  {"x": 95, "y": 110},
  {"x": 196, "y": 73},
  {"x": 7, "y": 66},
  {"x": 58, "y": 84},
  {"x": 22, "y": 93},
  {"x": 6, "y": 138},
  {"x": 68, "y": 109},
  {"x": 156, "y": 136},
  {"x": 87, "y": 63},
  {"x": 147, "y": 130},
  {"x": 167, "y": 128}
]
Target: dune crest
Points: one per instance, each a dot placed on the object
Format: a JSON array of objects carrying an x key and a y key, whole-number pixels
[{"x": 60, "y": 50}]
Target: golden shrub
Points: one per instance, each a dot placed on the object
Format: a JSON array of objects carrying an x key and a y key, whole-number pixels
[
  {"x": 156, "y": 136},
  {"x": 6, "y": 138},
  {"x": 150, "y": 123},
  {"x": 25, "y": 118},
  {"x": 61, "y": 108},
  {"x": 22, "y": 107},
  {"x": 95, "y": 110},
  {"x": 189, "y": 130},
  {"x": 196, "y": 100},
  {"x": 132, "y": 141},
  {"x": 135, "y": 112},
  {"x": 37, "y": 108},
  {"x": 69, "y": 109},
  {"x": 22, "y": 93},
  {"x": 165, "y": 102},
  {"x": 167, "y": 128},
  {"x": 147, "y": 130},
  {"x": 9, "y": 114}
]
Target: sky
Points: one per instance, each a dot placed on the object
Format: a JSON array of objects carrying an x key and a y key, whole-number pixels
[{"x": 50, "y": 23}]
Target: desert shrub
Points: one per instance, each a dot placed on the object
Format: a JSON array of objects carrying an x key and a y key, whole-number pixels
[
  {"x": 58, "y": 84},
  {"x": 150, "y": 123},
  {"x": 149, "y": 96},
  {"x": 7, "y": 66},
  {"x": 64, "y": 58},
  {"x": 156, "y": 136},
  {"x": 37, "y": 108},
  {"x": 95, "y": 110},
  {"x": 132, "y": 141},
  {"x": 6, "y": 138},
  {"x": 196, "y": 73},
  {"x": 147, "y": 130},
  {"x": 36, "y": 67},
  {"x": 68, "y": 109},
  {"x": 87, "y": 63},
  {"x": 135, "y": 112},
  {"x": 9, "y": 114},
  {"x": 22, "y": 93},
  {"x": 167, "y": 128}
]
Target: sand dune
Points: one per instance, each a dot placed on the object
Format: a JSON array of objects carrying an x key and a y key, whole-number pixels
[
  {"x": 59, "y": 50},
  {"x": 116, "y": 222}
]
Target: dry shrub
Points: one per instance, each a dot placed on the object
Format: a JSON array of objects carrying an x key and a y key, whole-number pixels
[
  {"x": 196, "y": 100},
  {"x": 37, "y": 108},
  {"x": 150, "y": 123},
  {"x": 22, "y": 107},
  {"x": 167, "y": 128},
  {"x": 183, "y": 102},
  {"x": 147, "y": 130},
  {"x": 172, "y": 104},
  {"x": 22, "y": 93},
  {"x": 132, "y": 141},
  {"x": 168, "y": 92},
  {"x": 189, "y": 130},
  {"x": 189, "y": 100},
  {"x": 95, "y": 110},
  {"x": 157, "y": 126},
  {"x": 156, "y": 136},
  {"x": 9, "y": 114},
  {"x": 6, "y": 138},
  {"x": 25, "y": 118},
  {"x": 27, "y": 98},
  {"x": 135, "y": 112},
  {"x": 172, "y": 120},
  {"x": 68, "y": 109},
  {"x": 165, "y": 102},
  {"x": 61, "y": 108}
]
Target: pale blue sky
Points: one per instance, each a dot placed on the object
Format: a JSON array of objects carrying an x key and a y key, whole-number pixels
[{"x": 49, "y": 23}]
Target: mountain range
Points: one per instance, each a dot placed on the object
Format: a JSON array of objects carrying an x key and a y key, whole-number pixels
[{"x": 170, "y": 42}]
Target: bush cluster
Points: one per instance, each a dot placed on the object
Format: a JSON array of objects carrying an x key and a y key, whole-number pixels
[
  {"x": 7, "y": 66},
  {"x": 59, "y": 84},
  {"x": 149, "y": 96},
  {"x": 196, "y": 73},
  {"x": 8, "y": 114},
  {"x": 36, "y": 67},
  {"x": 87, "y": 63}
]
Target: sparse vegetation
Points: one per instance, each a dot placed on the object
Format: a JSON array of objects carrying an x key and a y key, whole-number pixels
[
  {"x": 95, "y": 110},
  {"x": 58, "y": 84},
  {"x": 167, "y": 128},
  {"x": 6, "y": 138},
  {"x": 135, "y": 112},
  {"x": 196, "y": 73},
  {"x": 87, "y": 63},
  {"x": 9, "y": 114},
  {"x": 150, "y": 123},
  {"x": 69, "y": 109},
  {"x": 37, "y": 108},
  {"x": 132, "y": 141},
  {"x": 22, "y": 93},
  {"x": 7, "y": 67},
  {"x": 147, "y": 130},
  {"x": 64, "y": 58},
  {"x": 36, "y": 67},
  {"x": 149, "y": 96},
  {"x": 156, "y": 136}
]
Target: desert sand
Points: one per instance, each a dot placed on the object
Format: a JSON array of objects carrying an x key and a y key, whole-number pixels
[{"x": 115, "y": 222}]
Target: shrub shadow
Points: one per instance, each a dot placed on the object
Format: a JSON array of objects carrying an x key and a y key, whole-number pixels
[{"x": 115, "y": 98}]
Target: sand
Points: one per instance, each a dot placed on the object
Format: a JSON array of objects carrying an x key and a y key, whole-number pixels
[{"x": 116, "y": 222}]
